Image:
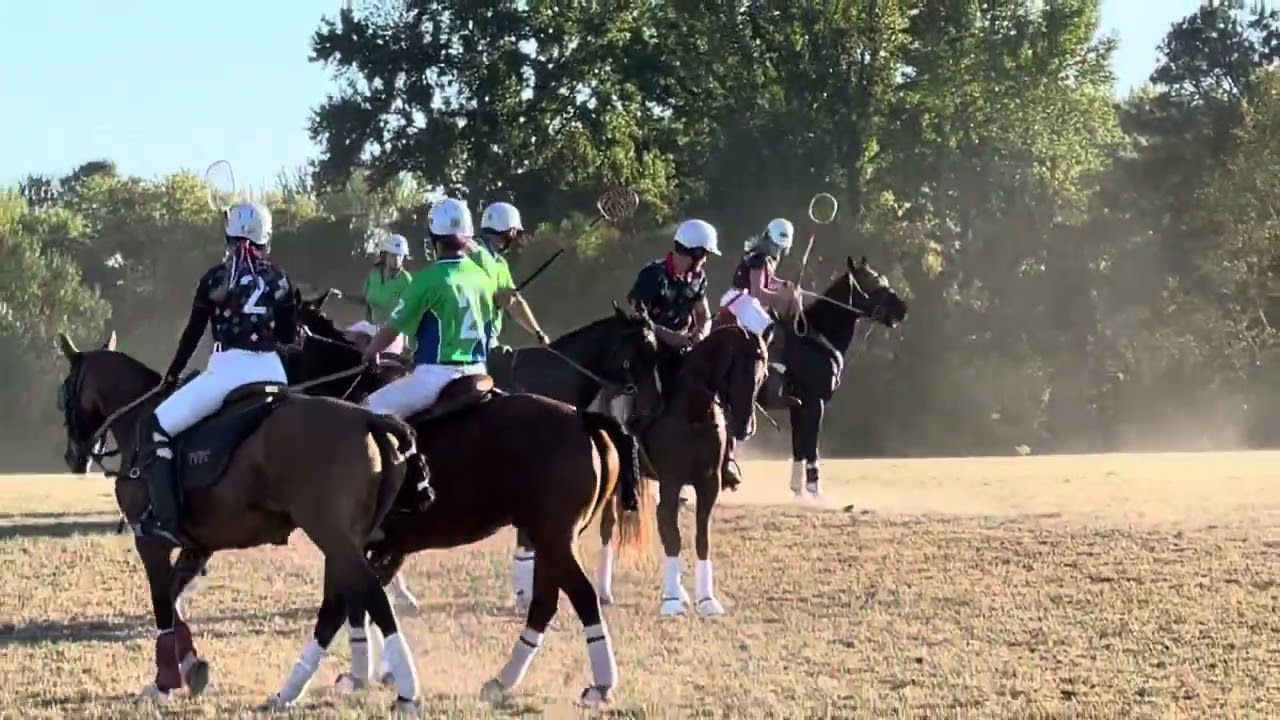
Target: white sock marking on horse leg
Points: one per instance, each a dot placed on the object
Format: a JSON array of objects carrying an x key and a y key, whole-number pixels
[
  {"x": 302, "y": 672},
  {"x": 604, "y": 666},
  {"x": 360, "y": 657},
  {"x": 604, "y": 574},
  {"x": 526, "y": 646},
  {"x": 403, "y": 669}
]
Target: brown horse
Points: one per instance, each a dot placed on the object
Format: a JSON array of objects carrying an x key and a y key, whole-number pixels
[
  {"x": 500, "y": 459},
  {"x": 686, "y": 445},
  {"x": 266, "y": 463}
]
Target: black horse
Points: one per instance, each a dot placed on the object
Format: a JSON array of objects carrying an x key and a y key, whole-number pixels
[{"x": 813, "y": 354}]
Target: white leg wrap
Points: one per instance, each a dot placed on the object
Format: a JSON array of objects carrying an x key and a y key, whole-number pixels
[
  {"x": 703, "y": 579},
  {"x": 300, "y": 676},
  {"x": 522, "y": 653},
  {"x": 403, "y": 669},
  {"x": 604, "y": 666},
  {"x": 671, "y": 569},
  {"x": 522, "y": 576},
  {"x": 797, "y": 477},
  {"x": 377, "y": 653}
]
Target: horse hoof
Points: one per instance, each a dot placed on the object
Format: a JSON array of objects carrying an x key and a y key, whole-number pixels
[
  {"x": 275, "y": 701},
  {"x": 710, "y": 607},
  {"x": 197, "y": 677},
  {"x": 386, "y": 678},
  {"x": 153, "y": 693},
  {"x": 596, "y": 697},
  {"x": 348, "y": 683},
  {"x": 494, "y": 693},
  {"x": 673, "y": 607},
  {"x": 606, "y": 597}
]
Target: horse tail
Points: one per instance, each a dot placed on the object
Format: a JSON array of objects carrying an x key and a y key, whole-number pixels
[
  {"x": 632, "y": 491},
  {"x": 384, "y": 428}
]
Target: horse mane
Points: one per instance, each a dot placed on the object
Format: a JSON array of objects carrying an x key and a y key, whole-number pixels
[
  {"x": 132, "y": 361},
  {"x": 327, "y": 329}
]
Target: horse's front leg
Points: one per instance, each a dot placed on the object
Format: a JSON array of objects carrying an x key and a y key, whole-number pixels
[
  {"x": 160, "y": 581},
  {"x": 806, "y": 427},
  {"x": 195, "y": 671},
  {"x": 706, "y": 604},
  {"x": 675, "y": 601}
]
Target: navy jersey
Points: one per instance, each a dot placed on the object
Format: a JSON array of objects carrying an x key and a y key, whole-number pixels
[
  {"x": 749, "y": 262},
  {"x": 665, "y": 298},
  {"x": 248, "y": 314}
]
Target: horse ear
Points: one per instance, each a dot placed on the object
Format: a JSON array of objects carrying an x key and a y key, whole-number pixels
[
  {"x": 622, "y": 315},
  {"x": 767, "y": 335},
  {"x": 848, "y": 262},
  {"x": 67, "y": 347},
  {"x": 110, "y": 342},
  {"x": 863, "y": 262},
  {"x": 322, "y": 298}
]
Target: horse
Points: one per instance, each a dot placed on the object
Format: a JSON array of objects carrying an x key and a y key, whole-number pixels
[
  {"x": 267, "y": 462},
  {"x": 499, "y": 459},
  {"x": 813, "y": 355},
  {"x": 687, "y": 443},
  {"x": 619, "y": 351}
]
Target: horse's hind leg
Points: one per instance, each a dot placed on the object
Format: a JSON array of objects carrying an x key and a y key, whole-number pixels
[
  {"x": 707, "y": 604},
  {"x": 396, "y": 653},
  {"x": 522, "y": 561},
  {"x": 604, "y": 666},
  {"x": 333, "y": 609},
  {"x": 604, "y": 573},
  {"x": 675, "y": 601}
]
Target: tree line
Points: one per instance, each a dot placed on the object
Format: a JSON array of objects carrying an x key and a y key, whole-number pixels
[{"x": 1085, "y": 272}]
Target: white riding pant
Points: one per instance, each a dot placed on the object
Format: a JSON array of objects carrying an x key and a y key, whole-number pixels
[
  {"x": 419, "y": 389},
  {"x": 364, "y": 327},
  {"x": 226, "y": 371},
  {"x": 749, "y": 311}
]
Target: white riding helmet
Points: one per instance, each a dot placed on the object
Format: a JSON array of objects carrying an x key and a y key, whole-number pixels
[
  {"x": 396, "y": 245},
  {"x": 698, "y": 234},
  {"x": 501, "y": 217},
  {"x": 451, "y": 216},
  {"x": 780, "y": 232},
  {"x": 250, "y": 221}
]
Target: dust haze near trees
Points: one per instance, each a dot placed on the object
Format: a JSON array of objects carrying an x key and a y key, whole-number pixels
[{"x": 1085, "y": 272}]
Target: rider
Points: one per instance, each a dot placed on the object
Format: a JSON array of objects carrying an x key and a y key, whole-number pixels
[
  {"x": 757, "y": 295},
  {"x": 672, "y": 292},
  {"x": 382, "y": 287},
  {"x": 448, "y": 310},
  {"x": 500, "y": 228},
  {"x": 247, "y": 303}
]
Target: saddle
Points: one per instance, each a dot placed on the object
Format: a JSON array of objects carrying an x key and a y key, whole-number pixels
[
  {"x": 203, "y": 452},
  {"x": 460, "y": 395}
]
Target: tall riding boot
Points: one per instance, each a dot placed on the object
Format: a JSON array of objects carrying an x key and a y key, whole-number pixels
[
  {"x": 730, "y": 477},
  {"x": 162, "y": 521},
  {"x": 419, "y": 477}
]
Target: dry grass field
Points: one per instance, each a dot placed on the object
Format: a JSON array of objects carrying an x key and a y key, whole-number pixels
[{"x": 1117, "y": 586}]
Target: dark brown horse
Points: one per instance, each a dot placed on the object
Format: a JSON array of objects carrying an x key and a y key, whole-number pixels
[
  {"x": 264, "y": 464},
  {"x": 543, "y": 466},
  {"x": 686, "y": 444}
]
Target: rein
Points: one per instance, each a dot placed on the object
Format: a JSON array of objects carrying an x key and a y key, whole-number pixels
[{"x": 99, "y": 435}]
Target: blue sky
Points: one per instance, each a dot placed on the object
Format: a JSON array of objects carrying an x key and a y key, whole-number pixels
[{"x": 157, "y": 85}]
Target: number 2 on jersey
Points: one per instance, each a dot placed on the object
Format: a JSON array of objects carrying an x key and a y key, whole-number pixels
[
  {"x": 251, "y": 306},
  {"x": 470, "y": 323}
]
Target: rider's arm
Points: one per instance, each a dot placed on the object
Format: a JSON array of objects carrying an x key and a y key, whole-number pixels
[
  {"x": 514, "y": 302},
  {"x": 197, "y": 321},
  {"x": 701, "y": 319},
  {"x": 404, "y": 318},
  {"x": 762, "y": 290},
  {"x": 286, "y": 329}
]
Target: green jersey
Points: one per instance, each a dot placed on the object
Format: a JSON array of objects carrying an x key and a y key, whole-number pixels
[
  {"x": 498, "y": 269},
  {"x": 381, "y": 294},
  {"x": 448, "y": 310}
]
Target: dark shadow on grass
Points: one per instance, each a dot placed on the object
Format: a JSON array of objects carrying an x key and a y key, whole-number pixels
[
  {"x": 68, "y": 516},
  {"x": 11, "y": 531},
  {"x": 141, "y": 627}
]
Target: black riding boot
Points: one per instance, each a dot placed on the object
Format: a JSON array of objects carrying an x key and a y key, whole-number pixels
[
  {"x": 419, "y": 477},
  {"x": 163, "y": 519},
  {"x": 730, "y": 477},
  {"x": 773, "y": 392}
]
